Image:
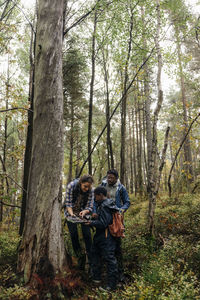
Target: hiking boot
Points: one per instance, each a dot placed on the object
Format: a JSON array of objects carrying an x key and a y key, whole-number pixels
[{"x": 96, "y": 281}]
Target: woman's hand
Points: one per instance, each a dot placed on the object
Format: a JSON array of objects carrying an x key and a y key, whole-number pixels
[
  {"x": 83, "y": 213},
  {"x": 70, "y": 212}
]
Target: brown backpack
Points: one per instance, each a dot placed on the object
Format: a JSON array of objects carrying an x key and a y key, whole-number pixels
[{"x": 117, "y": 227}]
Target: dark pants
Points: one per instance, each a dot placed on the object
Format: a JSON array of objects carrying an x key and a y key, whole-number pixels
[
  {"x": 103, "y": 247},
  {"x": 75, "y": 240},
  {"x": 118, "y": 254}
]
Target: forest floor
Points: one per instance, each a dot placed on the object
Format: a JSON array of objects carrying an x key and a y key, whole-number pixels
[{"x": 160, "y": 268}]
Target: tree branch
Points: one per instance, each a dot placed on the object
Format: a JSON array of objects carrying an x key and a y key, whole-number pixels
[
  {"x": 31, "y": 25},
  {"x": 8, "y": 176},
  {"x": 15, "y": 108},
  {"x": 177, "y": 153},
  {"x": 80, "y": 19},
  {"x": 3, "y": 15},
  {"x": 6, "y": 204},
  {"x": 83, "y": 18}
]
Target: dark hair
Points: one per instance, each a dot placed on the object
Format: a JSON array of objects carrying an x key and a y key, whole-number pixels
[
  {"x": 86, "y": 178},
  {"x": 100, "y": 190},
  {"x": 113, "y": 172}
]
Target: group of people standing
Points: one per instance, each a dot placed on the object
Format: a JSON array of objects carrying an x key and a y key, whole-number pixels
[{"x": 82, "y": 200}]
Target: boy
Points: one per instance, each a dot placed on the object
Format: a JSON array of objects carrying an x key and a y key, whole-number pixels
[{"x": 104, "y": 244}]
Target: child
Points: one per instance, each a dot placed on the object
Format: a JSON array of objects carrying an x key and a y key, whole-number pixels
[{"x": 104, "y": 244}]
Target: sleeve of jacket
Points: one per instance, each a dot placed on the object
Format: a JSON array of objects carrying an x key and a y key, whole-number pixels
[
  {"x": 90, "y": 203},
  {"x": 105, "y": 218},
  {"x": 94, "y": 211},
  {"x": 125, "y": 199},
  {"x": 69, "y": 197},
  {"x": 69, "y": 194}
]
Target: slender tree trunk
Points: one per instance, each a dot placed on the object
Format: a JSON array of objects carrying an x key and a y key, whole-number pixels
[
  {"x": 124, "y": 104},
  {"x": 29, "y": 134},
  {"x": 140, "y": 179},
  {"x": 153, "y": 171},
  {"x": 137, "y": 146},
  {"x": 1, "y": 198},
  {"x": 134, "y": 152},
  {"x": 71, "y": 143},
  {"x": 109, "y": 141},
  {"x": 4, "y": 180},
  {"x": 131, "y": 151},
  {"x": 144, "y": 146},
  {"x": 5, "y": 144},
  {"x": 78, "y": 154},
  {"x": 42, "y": 247},
  {"x": 187, "y": 147},
  {"x": 92, "y": 95},
  {"x": 147, "y": 102}
]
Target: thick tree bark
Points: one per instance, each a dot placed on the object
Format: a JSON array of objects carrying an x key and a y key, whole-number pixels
[{"x": 42, "y": 246}]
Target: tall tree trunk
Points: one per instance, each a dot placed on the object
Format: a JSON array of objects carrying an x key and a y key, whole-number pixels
[
  {"x": 187, "y": 147},
  {"x": 109, "y": 141},
  {"x": 78, "y": 154},
  {"x": 42, "y": 247},
  {"x": 144, "y": 145},
  {"x": 29, "y": 134},
  {"x": 140, "y": 179},
  {"x": 92, "y": 95},
  {"x": 137, "y": 145},
  {"x": 4, "y": 180},
  {"x": 71, "y": 143},
  {"x": 124, "y": 104},
  {"x": 147, "y": 103},
  {"x": 131, "y": 151},
  {"x": 153, "y": 170},
  {"x": 134, "y": 154}
]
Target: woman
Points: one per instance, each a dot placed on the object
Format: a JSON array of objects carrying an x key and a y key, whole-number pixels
[{"x": 79, "y": 202}]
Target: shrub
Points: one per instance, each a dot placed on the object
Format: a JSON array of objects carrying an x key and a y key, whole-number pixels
[{"x": 9, "y": 241}]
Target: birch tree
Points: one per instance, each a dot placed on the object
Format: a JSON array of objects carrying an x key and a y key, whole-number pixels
[{"x": 153, "y": 174}]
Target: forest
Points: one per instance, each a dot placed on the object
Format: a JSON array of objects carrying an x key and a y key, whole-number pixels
[{"x": 88, "y": 86}]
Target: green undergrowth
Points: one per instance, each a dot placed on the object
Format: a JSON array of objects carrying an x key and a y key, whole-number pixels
[
  {"x": 166, "y": 267},
  {"x": 10, "y": 286}
]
